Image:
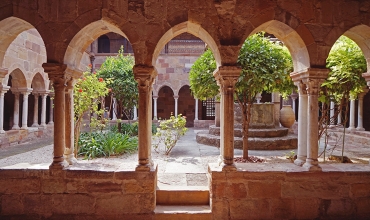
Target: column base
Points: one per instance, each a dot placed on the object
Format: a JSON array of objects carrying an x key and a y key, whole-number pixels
[
  {"x": 143, "y": 168},
  {"x": 360, "y": 129},
  {"x": 50, "y": 123},
  {"x": 228, "y": 167},
  {"x": 300, "y": 161},
  {"x": 58, "y": 165},
  {"x": 70, "y": 158},
  {"x": 2, "y": 132},
  {"x": 35, "y": 125},
  {"x": 351, "y": 129},
  {"x": 312, "y": 165},
  {"x": 15, "y": 128},
  {"x": 24, "y": 128}
]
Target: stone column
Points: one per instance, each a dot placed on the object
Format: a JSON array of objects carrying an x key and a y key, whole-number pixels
[
  {"x": 332, "y": 111},
  {"x": 16, "y": 111},
  {"x": 176, "y": 104},
  {"x": 352, "y": 113},
  {"x": 258, "y": 97},
  {"x": 69, "y": 124},
  {"x": 25, "y": 110},
  {"x": 3, "y": 90},
  {"x": 114, "y": 109},
  {"x": 339, "y": 119},
  {"x": 196, "y": 109},
  {"x": 294, "y": 96},
  {"x": 36, "y": 111},
  {"x": 43, "y": 110},
  {"x": 59, "y": 78},
  {"x": 360, "y": 112},
  {"x": 227, "y": 77},
  {"x": 302, "y": 124},
  {"x": 218, "y": 113},
  {"x": 275, "y": 98},
  {"x": 155, "y": 99},
  {"x": 312, "y": 78},
  {"x": 145, "y": 76},
  {"x": 51, "y": 112},
  {"x": 135, "y": 112}
]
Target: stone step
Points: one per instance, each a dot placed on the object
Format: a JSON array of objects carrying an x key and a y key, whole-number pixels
[
  {"x": 182, "y": 195},
  {"x": 254, "y": 143},
  {"x": 200, "y": 212},
  {"x": 263, "y": 132}
]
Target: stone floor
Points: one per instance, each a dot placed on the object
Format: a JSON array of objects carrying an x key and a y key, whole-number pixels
[{"x": 187, "y": 164}]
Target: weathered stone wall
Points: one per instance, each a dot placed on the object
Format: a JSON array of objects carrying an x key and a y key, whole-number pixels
[
  {"x": 13, "y": 137},
  {"x": 32, "y": 192},
  {"x": 285, "y": 191}
]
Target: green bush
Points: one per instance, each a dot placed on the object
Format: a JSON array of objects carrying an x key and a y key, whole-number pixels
[
  {"x": 97, "y": 144},
  {"x": 131, "y": 129}
]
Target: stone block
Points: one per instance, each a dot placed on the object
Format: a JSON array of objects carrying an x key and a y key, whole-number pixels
[
  {"x": 362, "y": 207},
  {"x": 19, "y": 186},
  {"x": 73, "y": 203},
  {"x": 340, "y": 209},
  {"x": 53, "y": 186},
  {"x": 103, "y": 187},
  {"x": 220, "y": 209},
  {"x": 250, "y": 209},
  {"x": 306, "y": 208},
  {"x": 133, "y": 186},
  {"x": 37, "y": 204},
  {"x": 11, "y": 204},
  {"x": 117, "y": 204},
  {"x": 313, "y": 189},
  {"x": 88, "y": 174},
  {"x": 282, "y": 208},
  {"x": 264, "y": 189},
  {"x": 360, "y": 190}
]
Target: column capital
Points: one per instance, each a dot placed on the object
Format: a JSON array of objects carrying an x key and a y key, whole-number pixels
[
  {"x": 227, "y": 76},
  {"x": 367, "y": 78},
  {"x": 362, "y": 94},
  {"x": 144, "y": 75},
  {"x": 312, "y": 73},
  {"x": 57, "y": 73},
  {"x": 175, "y": 96},
  {"x": 3, "y": 72},
  {"x": 313, "y": 85}
]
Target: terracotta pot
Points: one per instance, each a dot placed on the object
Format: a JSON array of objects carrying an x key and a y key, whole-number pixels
[{"x": 287, "y": 116}]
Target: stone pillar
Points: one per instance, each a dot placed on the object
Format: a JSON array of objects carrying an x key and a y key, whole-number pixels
[
  {"x": 339, "y": 119},
  {"x": 155, "y": 99},
  {"x": 25, "y": 110},
  {"x": 302, "y": 124},
  {"x": 196, "y": 109},
  {"x": 51, "y": 112},
  {"x": 145, "y": 76},
  {"x": 69, "y": 124},
  {"x": 332, "y": 111},
  {"x": 43, "y": 110},
  {"x": 294, "y": 96},
  {"x": 275, "y": 98},
  {"x": 360, "y": 113},
  {"x": 135, "y": 112},
  {"x": 16, "y": 111},
  {"x": 258, "y": 97},
  {"x": 36, "y": 111},
  {"x": 312, "y": 78},
  {"x": 218, "y": 113},
  {"x": 114, "y": 109},
  {"x": 3, "y": 90},
  {"x": 227, "y": 77},
  {"x": 176, "y": 104},
  {"x": 59, "y": 78},
  {"x": 352, "y": 113}
]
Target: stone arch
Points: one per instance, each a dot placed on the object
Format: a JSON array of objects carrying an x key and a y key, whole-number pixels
[
  {"x": 10, "y": 28},
  {"x": 165, "y": 102},
  {"x": 360, "y": 34},
  {"x": 192, "y": 28},
  {"x": 38, "y": 83},
  {"x": 84, "y": 38},
  {"x": 159, "y": 87},
  {"x": 18, "y": 80},
  {"x": 291, "y": 38},
  {"x": 186, "y": 105}
]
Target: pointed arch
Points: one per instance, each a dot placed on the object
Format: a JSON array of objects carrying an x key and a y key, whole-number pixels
[{"x": 360, "y": 34}]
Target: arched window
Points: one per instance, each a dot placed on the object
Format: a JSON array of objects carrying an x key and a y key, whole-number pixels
[{"x": 103, "y": 44}]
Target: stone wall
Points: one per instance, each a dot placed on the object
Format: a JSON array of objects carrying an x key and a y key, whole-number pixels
[
  {"x": 89, "y": 192},
  {"x": 286, "y": 191},
  {"x": 13, "y": 137}
]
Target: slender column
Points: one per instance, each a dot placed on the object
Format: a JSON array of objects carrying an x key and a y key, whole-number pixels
[
  {"x": 312, "y": 78},
  {"x": 302, "y": 124},
  {"x": 59, "y": 78},
  {"x": 145, "y": 76},
  {"x": 196, "y": 109},
  {"x": 294, "y": 96},
  {"x": 135, "y": 112},
  {"x": 227, "y": 77},
  {"x": 155, "y": 99},
  {"x": 114, "y": 109},
  {"x": 352, "y": 113},
  {"x": 51, "y": 111},
  {"x": 25, "y": 110},
  {"x": 275, "y": 98},
  {"x": 69, "y": 124},
  {"x": 360, "y": 113},
  {"x": 313, "y": 87},
  {"x": 16, "y": 112},
  {"x": 258, "y": 97},
  {"x": 339, "y": 119},
  {"x": 332, "y": 110},
  {"x": 2, "y": 93},
  {"x": 36, "y": 111},
  {"x": 43, "y": 110},
  {"x": 176, "y": 104}
]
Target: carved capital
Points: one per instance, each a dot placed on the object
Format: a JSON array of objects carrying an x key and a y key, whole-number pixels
[
  {"x": 312, "y": 85},
  {"x": 57, "y": 74},
  {"x": 144, "y": 75},
  {"x": 227, "y": 76},
  {"x": 302, "y": 89}
]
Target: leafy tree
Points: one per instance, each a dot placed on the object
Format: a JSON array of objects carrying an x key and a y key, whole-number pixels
[
  {"x": 87, "y": 95},
  {"x": 265, "y": 67},
  {"x": 123, "y": 85}
]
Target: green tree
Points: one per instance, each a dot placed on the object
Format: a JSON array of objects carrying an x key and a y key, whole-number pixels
[
  {"x": 123, "y": 85},
  {"x": 265, "y": 67},
  {"x": 87, "y": 94}
]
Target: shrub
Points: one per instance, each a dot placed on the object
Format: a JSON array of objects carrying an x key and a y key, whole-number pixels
[{"x": 169, "y": 132}]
